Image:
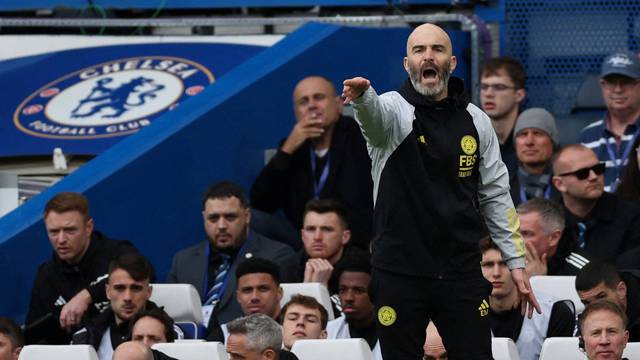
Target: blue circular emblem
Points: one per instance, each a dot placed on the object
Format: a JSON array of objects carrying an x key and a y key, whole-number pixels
[{"x": 110, "y": 99}]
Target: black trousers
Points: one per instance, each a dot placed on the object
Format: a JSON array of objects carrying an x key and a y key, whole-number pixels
[{"x": 458, "y": 307}]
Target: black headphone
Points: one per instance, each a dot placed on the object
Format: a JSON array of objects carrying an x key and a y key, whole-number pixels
[{"x": 581, "y": 343}]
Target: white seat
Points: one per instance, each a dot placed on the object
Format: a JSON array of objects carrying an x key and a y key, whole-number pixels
[
  {"x": 561, "y": 348},
  {"x": 193, "y": 350},
  {"x": 316, "y": 290},
  {"x": 58, "y": 352},
  {"x": 632, "y": 351},
  {"x": 504, "y": 349},
  {"x": 180, "y": 301},
  {"x": 560, "y": 287},
  {"x": 352, "y": 349}
]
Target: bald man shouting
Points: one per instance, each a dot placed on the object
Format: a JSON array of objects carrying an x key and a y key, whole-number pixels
[{"x": 439, "y": 182}]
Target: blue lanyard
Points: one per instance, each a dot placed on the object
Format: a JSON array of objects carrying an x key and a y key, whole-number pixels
[
  {"x": 205, "y": 286},
  {"x": 625, "y": 154},
  {"x": 319, "y": 185},
  {"x": 523, "y": 194}
]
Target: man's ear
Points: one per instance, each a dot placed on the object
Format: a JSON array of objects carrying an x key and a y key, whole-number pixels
[
  {"x": 554, "y": 238},
  {"x": 453, "y": 64},
  {"x": 280, "y": 293},
  {"x": 346, "y": 236},
  {"x": 16, "y": 352},
  {"x": 269, "y": 354},
  {"x": 557, "y": 182},
  {"x": 520, "y": 95},
  {"x": 405, "y": 63},
  {"x": 621, "y": 290},
  {"x": 323, "y": 334}
]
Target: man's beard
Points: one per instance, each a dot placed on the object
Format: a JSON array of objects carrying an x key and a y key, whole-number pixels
[{"x": 431, "y": 93}]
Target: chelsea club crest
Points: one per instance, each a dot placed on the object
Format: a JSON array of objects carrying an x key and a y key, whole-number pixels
[{"x": 110, "y": 99}]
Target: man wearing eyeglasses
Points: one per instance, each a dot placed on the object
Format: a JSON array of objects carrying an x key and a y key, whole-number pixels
[
  {"x": 612, "y": 138},
  {"x": 501, "y": 93},
  {"x": 600, "y": 223}
]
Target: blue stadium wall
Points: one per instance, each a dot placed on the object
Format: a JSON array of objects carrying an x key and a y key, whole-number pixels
[{"x": 147, "y": 188}]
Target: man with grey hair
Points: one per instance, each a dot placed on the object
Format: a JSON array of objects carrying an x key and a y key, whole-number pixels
[
  {"x": 255, "y": 337},
  {"x": 549, "y": 251},
  {"x": 535, "y": 137}
]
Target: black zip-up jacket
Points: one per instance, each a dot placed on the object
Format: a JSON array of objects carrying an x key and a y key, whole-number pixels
[
  {"x": 93, "y": 332},
  {"x": 437, "y": 172},
  {"x": 287, "y": 181},
  {"x": 57, "y": 282},
  {"x": 612, "y": 231}
]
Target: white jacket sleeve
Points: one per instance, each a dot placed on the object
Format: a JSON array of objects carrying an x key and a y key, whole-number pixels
[{"x": 496, "y": 204}]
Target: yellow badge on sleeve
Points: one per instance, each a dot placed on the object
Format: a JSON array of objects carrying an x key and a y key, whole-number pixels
[{"x": 387, "y": 316}]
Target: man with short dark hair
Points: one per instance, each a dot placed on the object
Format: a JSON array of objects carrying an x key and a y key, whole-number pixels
[
  {"x": 128, "y": 289},
  {"x": 536, "y": 138},
  {"x": 303, "y": 317},
  {"x": 11, "y": 339},
  {"x": 69, "y": 289},
  {"x": 325, "y": 235},
  {"x": 502, "y": 91},
  {"x": 258, "y": 292},
  {"x": 152, "y": 326},
  {"x": 603, "y": 327},
  {"x": 210, "y": 265},
  {"x": 358, "y": 312},
  {"x": 323, "y": 157},
  {"x": 254, "y": 337},
  {"x": 602, "y": 224},
  {"x": 598, "y": 280},
  {"x": 612, "y": 138},
  {"x": 556, "y": 320}
]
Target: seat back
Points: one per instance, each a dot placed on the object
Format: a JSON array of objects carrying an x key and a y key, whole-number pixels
[
  {"x": 560, "y": 287},
  {"x": 561, "y": 348},
  {"x": 504, "y": 349},
  {"x": 316, "y": 290},
  {"x": 632, "y": 351},
  {"x": 180, "y": 301},
  {"x": 193, "y": 350},
  {"x": 58, "y": 352},
  {"x": 352, "y": 349}
]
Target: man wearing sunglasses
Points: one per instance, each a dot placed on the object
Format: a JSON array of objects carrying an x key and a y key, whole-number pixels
[
  {"x": 612, "y": 138},
  {"x": 600, "y": 223}
]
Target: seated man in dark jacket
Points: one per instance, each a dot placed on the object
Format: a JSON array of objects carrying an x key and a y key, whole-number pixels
[
  {"x": 324, "y": 156},
  {"x": 325, "y": 235},
  {"x": 128, "y": 291},
  {"x": 69, "y": 289},
  {"x": 602, "y": 224}
]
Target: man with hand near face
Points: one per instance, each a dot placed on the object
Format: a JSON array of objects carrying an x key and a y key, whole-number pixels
[
  {"x": 69, "y": 289},
  {"x": 325, "y": 235},
  {"x": 323, "y": 157}
]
